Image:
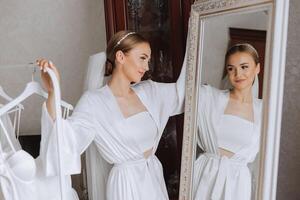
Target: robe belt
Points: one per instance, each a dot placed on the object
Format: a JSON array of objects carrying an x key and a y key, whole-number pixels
[
  {"x": 144, "y": 161},
  {"x": 222, "y": 181},
  {"x": 135, "y": 162}
]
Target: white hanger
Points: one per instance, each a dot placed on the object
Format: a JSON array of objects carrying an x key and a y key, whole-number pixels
[
  {"x": 44, "y": 94},
  {"x": 18, "y": 110},
  {"x": 32, "y": 87},
  {"x": 4, "y": 95},
  {"x": 7, "y": 137}
]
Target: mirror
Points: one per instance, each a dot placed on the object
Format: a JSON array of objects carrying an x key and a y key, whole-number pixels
[
  {"x": 229, "y": 116},
  {"x": 228, "y": 99}
]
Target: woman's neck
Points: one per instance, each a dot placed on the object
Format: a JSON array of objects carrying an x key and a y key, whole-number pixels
[
  {"x": 119, "y": 84},
  {"x": 243, "y": 96}
]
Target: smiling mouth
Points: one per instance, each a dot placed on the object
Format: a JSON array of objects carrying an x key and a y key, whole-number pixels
[{"x": 240, "y": 80}]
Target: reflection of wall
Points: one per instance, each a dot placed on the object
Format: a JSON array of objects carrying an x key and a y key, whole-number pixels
[
  {"x": 289, "y": 160},
  {"x": 216, "y": 41},
  {"x": 66, "y": 31}
]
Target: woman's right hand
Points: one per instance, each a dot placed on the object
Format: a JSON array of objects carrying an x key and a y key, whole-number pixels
[{"x": 46, "y": 79}]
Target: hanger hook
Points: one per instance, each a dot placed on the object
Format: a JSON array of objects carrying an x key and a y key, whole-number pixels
[{"x": 33, "y": 71}]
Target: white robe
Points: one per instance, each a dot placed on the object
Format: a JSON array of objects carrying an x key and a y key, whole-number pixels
[
  {"x": 97, "y": 117},
  {"x": 218, "y": 177}
]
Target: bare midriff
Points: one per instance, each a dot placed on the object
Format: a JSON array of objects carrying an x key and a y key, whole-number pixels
[
  {"x": 224, "y": 152},
  {"x": 148, "y": 153}
]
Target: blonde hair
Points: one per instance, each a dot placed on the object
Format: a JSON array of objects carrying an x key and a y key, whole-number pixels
[
  {"x": 122, "y": 41},
  {"x": 243, "y": 48}
]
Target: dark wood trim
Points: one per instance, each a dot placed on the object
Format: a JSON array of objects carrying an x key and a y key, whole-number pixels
[
  {"x": 121, "y": 15},
  {"x": 115, "y": 13},
  {"x": 186, "y": 9},
  {"x": 109, "y": 18},
  {"x": 248, "y": 34},
  {"x": 177, "y": 35},
  {"x": 177, "y": 52}
]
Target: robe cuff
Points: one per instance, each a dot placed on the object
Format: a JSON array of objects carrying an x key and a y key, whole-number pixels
[{"x": 73, "y": 144}]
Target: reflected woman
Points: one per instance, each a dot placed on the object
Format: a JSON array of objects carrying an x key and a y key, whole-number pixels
[
  {"x": 125, "y": 121},
  {"x": 229, "y": 130}
]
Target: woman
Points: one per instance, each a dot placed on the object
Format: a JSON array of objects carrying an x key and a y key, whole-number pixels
[
  {"x": 125, "y": 121},
  {"x": 229, "y": 130}
]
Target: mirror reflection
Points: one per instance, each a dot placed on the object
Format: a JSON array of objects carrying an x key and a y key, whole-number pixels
[{"x": 230, "y": 106}]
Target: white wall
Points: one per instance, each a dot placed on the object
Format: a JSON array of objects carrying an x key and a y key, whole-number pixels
[
  {"x": 216, "y": 39},
  {"x": 65, "y": 31},
  {"x": 289, "y": 160}
]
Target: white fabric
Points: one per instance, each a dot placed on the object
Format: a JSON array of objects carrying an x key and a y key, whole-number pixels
[
  {"x": 21, "y": 179},
  {"x": 21, "y": 176},
  {"x": 10, "y": 130},
  {"x": 219, "y": 177},
  {"x": 97, "y": 118},
  {"x": 47, "y": 187},
  {"x": 17, "y": 171},
  {"x": 231, "y": 137},
  {"x": 95, "y": 78},
  {"x": 146, "y": 140},
  {"x": 97, "y": 168},
  {"x": 17, "y": 168}
]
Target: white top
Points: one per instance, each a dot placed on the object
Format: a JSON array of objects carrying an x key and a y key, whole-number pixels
[
  {"x": 235, "y": 133},
  {"x": 142, "y": 129}
]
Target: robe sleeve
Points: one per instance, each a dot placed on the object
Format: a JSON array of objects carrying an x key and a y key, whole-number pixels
[
  {"x": 78, "y": 132},
  {"x": 203, "y": 98},
  {"x": 171, "y": 95}
]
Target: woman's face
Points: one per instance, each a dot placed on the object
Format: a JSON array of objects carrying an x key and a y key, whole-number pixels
[
  {"x": 241, "y": 69},
  {"x": 136, "y": 62}
]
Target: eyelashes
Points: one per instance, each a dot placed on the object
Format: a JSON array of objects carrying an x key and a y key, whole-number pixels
[
  {"x": 244, "y": 67},
  {"x": 229, "y": 69},
  {"x": 145, "y": 59}
]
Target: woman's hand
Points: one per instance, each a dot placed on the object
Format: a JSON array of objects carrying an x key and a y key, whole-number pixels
[{"x": 47, "y": 82}]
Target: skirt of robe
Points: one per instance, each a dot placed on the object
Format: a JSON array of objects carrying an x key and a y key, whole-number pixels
[
  {"x": 137, "y": 180},
  {"x": 220, "y": 178}
]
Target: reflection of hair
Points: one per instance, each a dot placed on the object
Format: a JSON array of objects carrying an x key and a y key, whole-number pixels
[
  {"x": 122, "y": 41},
  {"x": 241, "y": 48}
]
